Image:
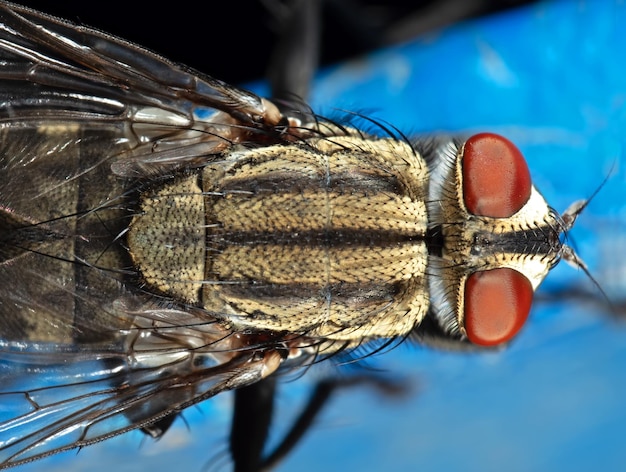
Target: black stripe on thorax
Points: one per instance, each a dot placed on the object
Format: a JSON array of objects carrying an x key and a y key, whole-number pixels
[{"x": 330, "y": 238}]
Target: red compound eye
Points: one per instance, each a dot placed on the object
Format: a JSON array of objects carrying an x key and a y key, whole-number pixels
[
  {"x": 497, "y": 303},
  {"x": 496, "y": 180}
]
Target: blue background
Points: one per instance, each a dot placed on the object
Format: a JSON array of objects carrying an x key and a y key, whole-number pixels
[{"x": 552, "y": 78}]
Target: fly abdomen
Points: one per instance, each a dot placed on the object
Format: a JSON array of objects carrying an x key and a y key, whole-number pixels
[{"x": 60, "y": 213}]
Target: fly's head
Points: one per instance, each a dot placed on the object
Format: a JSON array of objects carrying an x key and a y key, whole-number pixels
[{"x": 499, "y": 239}]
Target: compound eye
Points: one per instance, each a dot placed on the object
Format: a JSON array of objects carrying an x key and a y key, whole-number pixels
[
  {"x": 497, "y": 304},
  {"x": 496, "y": 179}
]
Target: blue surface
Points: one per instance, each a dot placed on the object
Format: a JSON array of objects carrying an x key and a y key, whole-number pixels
[{"x": 552, "y": 78}]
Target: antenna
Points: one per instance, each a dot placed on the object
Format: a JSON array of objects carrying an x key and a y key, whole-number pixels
[{"x": 567, "y": 253}]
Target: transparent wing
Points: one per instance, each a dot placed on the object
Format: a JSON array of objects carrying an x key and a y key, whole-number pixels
[
  {"x": 84, "y": 119},
  {"x": 47, "y": 405},
  {"x": 54, "y": 71},
  {"x": 75, "y": 66}
]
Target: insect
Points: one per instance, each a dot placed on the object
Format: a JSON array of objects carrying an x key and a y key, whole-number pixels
[{"x": 181, "y": 237}]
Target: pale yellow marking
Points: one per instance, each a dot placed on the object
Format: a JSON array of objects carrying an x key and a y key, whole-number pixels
[{"x": 167, "y": 240}]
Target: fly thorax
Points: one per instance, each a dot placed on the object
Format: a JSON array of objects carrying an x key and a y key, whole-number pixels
[{"x": 325, "y": 237}]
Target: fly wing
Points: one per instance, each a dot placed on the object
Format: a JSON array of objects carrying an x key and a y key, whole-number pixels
[
  {"x": 77, "y": 68},
  {"x": 54, "y": 72},
  {"x": 84, "y": 353},
  {"x": 82, "y": 115},
  {"x": 48, "y": 405}
]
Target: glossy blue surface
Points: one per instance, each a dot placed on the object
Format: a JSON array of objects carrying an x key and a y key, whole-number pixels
[{"x": 552, "y": 78}]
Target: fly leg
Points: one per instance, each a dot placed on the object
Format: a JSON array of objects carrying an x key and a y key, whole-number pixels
[
  {"x": 252, "y": 419},
  {"x": 254, "y": 406},
  {"x": 295, "y": 56},
  {"x": 321, "y": 395}
]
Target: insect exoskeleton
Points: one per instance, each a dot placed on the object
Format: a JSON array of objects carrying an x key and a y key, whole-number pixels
[
  {"x": 325, "y": 237},
  {"x": 181, "y": 237},
  {"x": 347, "y": 236}
]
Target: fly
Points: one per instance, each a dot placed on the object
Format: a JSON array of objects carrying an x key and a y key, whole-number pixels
[{"x": 165, "y": 237}]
